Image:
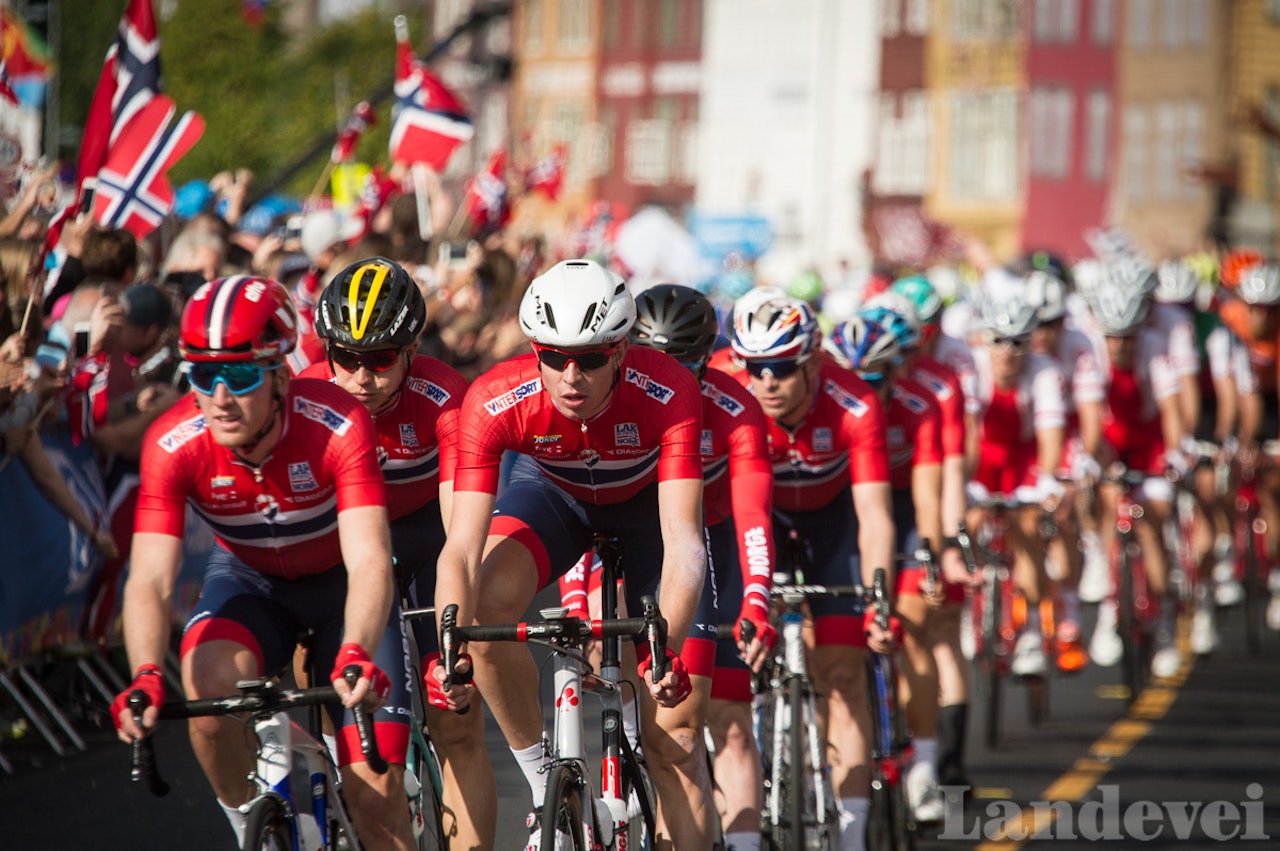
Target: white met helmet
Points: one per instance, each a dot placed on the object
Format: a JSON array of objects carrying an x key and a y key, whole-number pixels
[
  {"x": 773, "y": 327},
  {"x": 1011, "y": 316},
  {"x": 1178, "y": 282},
  {"x": 577, "y": 303},
  {"x": 1260, "y": 284},
  {"x": 1119, "y": 310},
  {"x": 1047, "y": 294}
]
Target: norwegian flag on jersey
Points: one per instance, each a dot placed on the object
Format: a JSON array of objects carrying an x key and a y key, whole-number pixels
[
  {"x": 362, "y": 118},
  {"x": 133, "y": 186},
  {"x": 428, "y": 123},
  {"x": 486, "y": 203},
  {"x": 547, "y": 174}
]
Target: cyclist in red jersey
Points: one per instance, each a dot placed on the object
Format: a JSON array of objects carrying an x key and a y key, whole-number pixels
[
  {"x": 610, "y": 438},
  {"x": 943, "y": 381},
  {"x": 302, "y": 543},
  {"x": 1017, "y": 413},
  {"x": 370, "y": 317},
  {"x": 831, "y": 482},
  {"x": 872, "y": 351},
  {"x": 1142, "y": 428}
]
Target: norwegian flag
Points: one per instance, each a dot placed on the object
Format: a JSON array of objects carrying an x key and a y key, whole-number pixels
[
  {"x": 374, "y": 194},
  {"x": 547, "y": 174},
  {"x": 6, "y": 84},
  {"x": 428, "y": 123},
  {"x": 133, "y": 188},
  {"x": 362, "y": 118},
  {"x": 486, "y": 203}
]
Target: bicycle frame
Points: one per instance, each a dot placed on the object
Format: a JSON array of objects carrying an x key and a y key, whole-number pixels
[
  {"x": 1252, "y": 560},
  {"x": 1134, "y": 611}
]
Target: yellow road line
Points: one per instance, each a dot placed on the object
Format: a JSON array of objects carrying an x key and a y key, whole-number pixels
[{"x": 1084, "y": 774}]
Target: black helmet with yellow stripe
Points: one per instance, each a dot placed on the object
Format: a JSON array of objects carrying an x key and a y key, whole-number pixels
[{"x": 371, "y": 304}]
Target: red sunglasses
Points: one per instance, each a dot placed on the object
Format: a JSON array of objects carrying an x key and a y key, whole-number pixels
[{"x": 560, "y": 360}]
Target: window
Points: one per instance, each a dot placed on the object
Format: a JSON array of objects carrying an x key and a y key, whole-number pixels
[
  {"x": 1271, "y": 108},
  {"x": 599, "y": 148},
  {"x": 1043, "y": 23},
  {"x": 1167, "y": 148},
  {"x": 1098, "y": 135},
  {"x": 575, "y": 24},
  {"x": 611, "y": 25},
  {"x": 1173, "y": 22},
  {"x": 1104, "y": 21},
  {"x": 1273, "y": 11},
  {"x": 1068, "y": 20},
  {"x": 641, "y": 14},
  {"x": 917, "y": 22},
  {"x": 917, "y": 150},
  {"x": 1138, "y": 24},
  {"x": 533, "y": 25},
  {"x": 966, "y": 18},
  {"x": 1135, "y": 153},
  {"x": 686, "y": 171},
  {"x": 890, "y": 18},
  {"x": 648, "y": 154},
  {"x": 1198, "y": 23},
  {"x": 1193, "y": 128},
  {"x": 668, "y": 23},
  {"x": 984, "y": 154},
  {"x": 1051, "y": 132}
]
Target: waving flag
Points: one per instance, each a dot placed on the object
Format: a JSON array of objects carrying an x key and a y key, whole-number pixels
[
  {"x": 133, "y": 186},
  {"x": 26, "y": 58},
  {"x": 428, "y": 122},
  {"x": 6, "y": 84},
  {"x": 547, "y": 174},
  {"x": 362, "y": 118},
  {"x": 485, "y": 202}
]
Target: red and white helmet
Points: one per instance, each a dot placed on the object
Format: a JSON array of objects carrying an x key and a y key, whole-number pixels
[
  {"x": 769, "y": 325},
  {"x": 240, "y": 318}
]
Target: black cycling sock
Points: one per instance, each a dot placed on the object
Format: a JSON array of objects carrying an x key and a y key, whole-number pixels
[{"x": 952, "y": 724}]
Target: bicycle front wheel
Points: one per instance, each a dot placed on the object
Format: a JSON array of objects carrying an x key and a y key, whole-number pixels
[
  {"x": 1255, "y": 587},
  {"x": 267, "y": 826},
  {"x": 562, "y": 811},
  {"x": 426, "y": 807}
]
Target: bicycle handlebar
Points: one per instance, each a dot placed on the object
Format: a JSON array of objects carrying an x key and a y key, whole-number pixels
[{"x": 258, "y": 697}]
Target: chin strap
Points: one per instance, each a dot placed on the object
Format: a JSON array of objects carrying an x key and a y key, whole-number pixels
[{"x": 262, "y": 432}]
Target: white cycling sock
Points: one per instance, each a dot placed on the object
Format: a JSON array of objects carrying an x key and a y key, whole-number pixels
[
  {"x": 331, "y": 742},
  {"x": 748, "y": 841},
  {"x": 853, "y": 823},
  {"x": 532, "y": 760},
  {"x": 1071, "y": 605},
  {"x": 237, "y": 820},
  {"x": 630, "y": 724},
  {"x": 926, "y": 754}
]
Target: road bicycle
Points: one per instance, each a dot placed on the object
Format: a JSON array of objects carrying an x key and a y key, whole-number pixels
[
  {"x": 1252, "y": 561},
  {"x": 1135, "y": 607},
  {"x": 573, "y": 816},
  {"x": 277, "y": 817},
  {"x": 997, "y": 614},
  {"x": 891, "y": 823}
]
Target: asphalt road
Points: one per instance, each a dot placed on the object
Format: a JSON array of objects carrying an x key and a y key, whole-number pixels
[{"x": 1194, "y": 764}]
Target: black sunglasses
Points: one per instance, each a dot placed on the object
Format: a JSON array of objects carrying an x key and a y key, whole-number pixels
[
  {"x": 586, "y": 361},
  {"x": 1011, "y": 342},
  {"x": 781, "y": 368},
  {"x": 376, "y": 361}
]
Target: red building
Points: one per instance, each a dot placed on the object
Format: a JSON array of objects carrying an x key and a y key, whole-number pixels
[
  {"x": 1070, "y": 116},
  {"x": 650, "y": 73}
]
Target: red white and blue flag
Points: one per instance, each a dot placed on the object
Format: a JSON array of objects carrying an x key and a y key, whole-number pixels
[
  {"x": 6, "y": 84},
  {"x": 547, "y": 174},
  {"x": 362, "y": 118},
  {"x": 486, "y": 203},
  {"x": 133, "y": 189},
  {"x": 428, "y": 122}
]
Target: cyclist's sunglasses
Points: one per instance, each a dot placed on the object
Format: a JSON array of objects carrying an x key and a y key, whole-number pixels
[
  {"x": 780, "y": 368},
  {"x": 586, "y": 360},
  {"x": 1016, "y": 343},
  {"x": 240, "y": 377},
  {"x": 376, "y": 361}
]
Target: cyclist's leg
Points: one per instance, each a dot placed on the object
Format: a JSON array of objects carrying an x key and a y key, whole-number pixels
[
  {"x": 674, "y": 741},
  {"x": 1156, "y": 501},
  {"x": 943, "y": 635},
  {"x": 737, "y": 763},
  {"x": 1031, "y": 581}
]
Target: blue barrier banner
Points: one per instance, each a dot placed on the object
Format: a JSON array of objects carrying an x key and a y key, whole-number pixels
[{"x": 47, "y": 565}]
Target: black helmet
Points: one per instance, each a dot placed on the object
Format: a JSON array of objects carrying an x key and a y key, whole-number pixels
[
  {"x": 677, "y": 320},
  {"x": 371, "y": 304}
]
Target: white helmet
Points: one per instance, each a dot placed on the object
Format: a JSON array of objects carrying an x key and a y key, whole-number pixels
[
  {"x": 773, "y": 327},
  {"x": 1089, "y": 276},
  {"x": 577, "y": 303},
  {"x": 1118, "y": 311},
  {"x": 1260, "y": 284},
  {"x": 1011, "y": 316},
  {"x": 1178, "y": 282},
  {"x": 1047, "y": 294}
]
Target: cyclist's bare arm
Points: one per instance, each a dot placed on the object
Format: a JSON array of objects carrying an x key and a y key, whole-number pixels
[
  {"x": 365, "y": 540},
  {"x": 1250, "y": 418},
  {"x": 926, "y": 490},
  {"x": 1090, "y": 417},
  {"x": 458, "y": 568},
  {"x": 873, "y": 503},
  {"x": 684, "y": 555},
  {"x": 1170, "y": 421},
  {"x": 148, "y": 594},
  {"x": 1049, "y": 448},
  {"x": 446, "y": 502}
]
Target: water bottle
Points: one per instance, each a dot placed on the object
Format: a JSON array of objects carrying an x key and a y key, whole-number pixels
[
  {"x": 618, "y": 819},
  {"x": 309, "y": 833},
  {"x": 413, "y": 790},
  {"x": 604, "y": 818}
]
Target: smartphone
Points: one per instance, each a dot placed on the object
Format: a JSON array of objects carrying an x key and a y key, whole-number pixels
[
  {"x": 81, "y": 339},
  {"x": 454, "y": 254},
  {"x": 87, "y": 191}
]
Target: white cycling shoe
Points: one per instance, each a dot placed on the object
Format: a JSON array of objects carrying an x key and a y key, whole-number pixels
[
  {"x": 1167, "y": 659},
  {"x": 1204, "y": 633},
  {"x": 923, "y": 795},
  {"x": 1028, "y": 656},
  {"x": 1105, "y": 648},
  {"x": 1095, "y": 578}
]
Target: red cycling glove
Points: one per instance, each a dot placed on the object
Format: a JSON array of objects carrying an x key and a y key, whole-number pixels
[
  {"x": 353, "y": 654},
  {"x": 149, "y": 681},
  {"x": 759, "y": 618},
  {"x": 895, "y": 625},
  {"x": 684, "y": 687},
  {"x": 436, "y": 695}
]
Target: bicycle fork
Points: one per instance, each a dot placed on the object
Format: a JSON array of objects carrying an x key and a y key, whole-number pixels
[{"x": 280, "y": 738}]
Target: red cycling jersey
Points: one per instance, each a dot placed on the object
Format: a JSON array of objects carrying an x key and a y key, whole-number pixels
[
  {"x": 841, "y": 441},
  {"x": 649, "y": 431},
  {"x": 418, "y": 432},
  {"x": 738, "y": 478},
  {"x": 280, "y": 518},
  {"x": 915, "y": 431},
  {"x": 943, "y": 382}
]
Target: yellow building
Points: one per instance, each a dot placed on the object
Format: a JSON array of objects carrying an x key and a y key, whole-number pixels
[{"x": 1255, "y": 83}]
